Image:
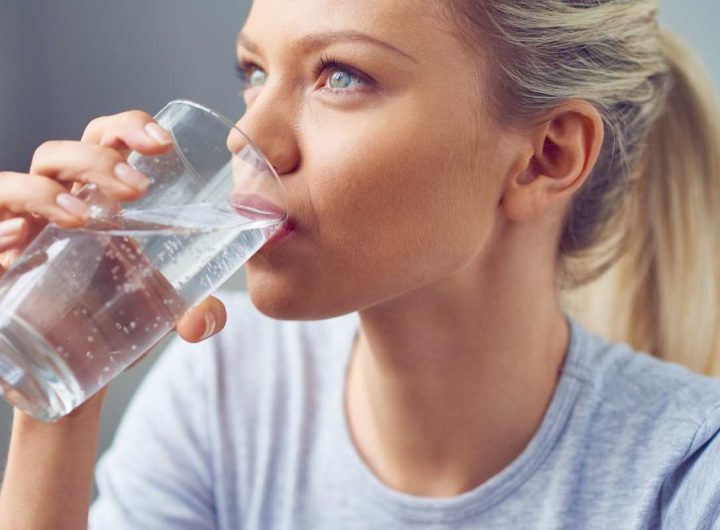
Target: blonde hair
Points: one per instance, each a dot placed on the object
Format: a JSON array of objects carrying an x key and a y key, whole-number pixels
[{"x": 638, "y": 255}]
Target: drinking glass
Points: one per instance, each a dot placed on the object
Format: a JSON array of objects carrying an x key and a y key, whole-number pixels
[{"x": 80, "y": 305}]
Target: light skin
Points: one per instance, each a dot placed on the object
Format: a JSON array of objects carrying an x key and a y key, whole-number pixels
[{"x": 437, "y": 224}]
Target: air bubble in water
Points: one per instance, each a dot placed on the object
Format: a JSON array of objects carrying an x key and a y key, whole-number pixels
[
  {"x": 88, "y": 355},
  {"x": 90, "y": 338},
  {"x": 133, "y": 347},
  {"x": 118, "y": 325},
  {"x": 125, "y": 330},
  {"x": 133, "y": 324}
]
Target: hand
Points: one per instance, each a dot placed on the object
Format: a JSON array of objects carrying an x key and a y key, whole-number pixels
[{"x": 58, "y": 168}]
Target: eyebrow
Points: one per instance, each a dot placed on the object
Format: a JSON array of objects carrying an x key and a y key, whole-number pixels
[{"x": 320, "y": 40}]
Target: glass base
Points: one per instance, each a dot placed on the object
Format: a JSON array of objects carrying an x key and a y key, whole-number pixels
[{"x": 31, "y": 377}]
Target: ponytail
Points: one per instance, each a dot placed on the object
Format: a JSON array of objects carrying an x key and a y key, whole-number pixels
[
  {"x": 639, "y": 253},
  {"x": 663, "y": 295}
]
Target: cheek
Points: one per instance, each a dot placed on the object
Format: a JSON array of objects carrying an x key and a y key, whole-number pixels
[
  {"x": 397, "y": 202},
  {"x": 398, "y": 188}
]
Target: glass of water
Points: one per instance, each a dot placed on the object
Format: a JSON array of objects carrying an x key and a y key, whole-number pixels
[{"x": 81, "y": 305}]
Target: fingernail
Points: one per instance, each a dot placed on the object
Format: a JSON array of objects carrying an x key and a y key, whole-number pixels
[
  {"x": 12, "y": 227},
  {"x": 73, "y": 205},
  {"x": 158, "y": 134},
  {"x": 130, "y": 176},
  {"x": 209, "y": 325}
]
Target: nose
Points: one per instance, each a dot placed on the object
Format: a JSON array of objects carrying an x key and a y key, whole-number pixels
[{"x": 268, "y": 122}]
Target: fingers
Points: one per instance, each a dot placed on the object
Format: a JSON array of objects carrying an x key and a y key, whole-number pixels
[
  {"x": 203, "y": 320},
  {"x": 12, "y": 233},
  {"x": 67, "y": 161},
  {"x": 58, "y": 166},
  {"x": 134, "y": 129},
  {"x": 35, "y": 194}
]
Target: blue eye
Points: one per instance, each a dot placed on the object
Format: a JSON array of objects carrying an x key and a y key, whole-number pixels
[
  {"x": 250, "y": 74},
  {"x": 257, "y": 77},
  {"x": 341, "y": 79}
]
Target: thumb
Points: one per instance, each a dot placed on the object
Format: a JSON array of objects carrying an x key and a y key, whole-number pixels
[{"x": 202, "y": 320}]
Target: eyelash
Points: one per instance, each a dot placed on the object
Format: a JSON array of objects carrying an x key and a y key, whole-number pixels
[{"x": 242, "y": 68}]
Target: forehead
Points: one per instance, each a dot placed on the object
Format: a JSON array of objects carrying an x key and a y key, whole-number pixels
[{"x": 400, "y": 22}]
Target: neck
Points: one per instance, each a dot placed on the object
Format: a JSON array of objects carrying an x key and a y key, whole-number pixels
[{"x": 448, "y": 384}]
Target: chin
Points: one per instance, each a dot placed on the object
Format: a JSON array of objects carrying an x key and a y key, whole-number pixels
[
  {"x": 286, "y": 298},
  {"x": 276, "y": 303},
  {"x": 281, "y": 298}
]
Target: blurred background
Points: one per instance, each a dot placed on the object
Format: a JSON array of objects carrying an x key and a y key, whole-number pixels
[{"x": 64, "y": 63}]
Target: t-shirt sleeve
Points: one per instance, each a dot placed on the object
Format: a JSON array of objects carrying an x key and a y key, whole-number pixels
[
  {"x": 691, "y": 494},
  {"x": 157, "y": 474}
]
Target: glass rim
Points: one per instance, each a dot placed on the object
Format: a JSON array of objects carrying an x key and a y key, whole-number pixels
[{"x": 228, "y": 123}]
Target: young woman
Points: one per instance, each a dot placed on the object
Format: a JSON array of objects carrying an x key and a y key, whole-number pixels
[{"x": 411, "y": 354}]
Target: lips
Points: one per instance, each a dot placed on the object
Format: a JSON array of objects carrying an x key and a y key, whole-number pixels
[{"x": 255, "y": 206}]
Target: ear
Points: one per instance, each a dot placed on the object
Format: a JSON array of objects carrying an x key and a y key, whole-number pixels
[{"x": 563, "y": 152}]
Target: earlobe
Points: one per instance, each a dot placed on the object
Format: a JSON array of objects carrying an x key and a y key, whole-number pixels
[
  {"x": 525, "y": 198},
  {"x": 564, "y": 151}
]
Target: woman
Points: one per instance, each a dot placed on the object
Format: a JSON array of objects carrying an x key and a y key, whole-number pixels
[{"x": 406, "y": 357}]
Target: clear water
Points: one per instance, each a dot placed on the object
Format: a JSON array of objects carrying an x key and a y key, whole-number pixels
[{"x": 101, "y": 296}]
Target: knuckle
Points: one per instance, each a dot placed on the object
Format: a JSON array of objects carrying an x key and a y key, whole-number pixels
[
  {"x": 94, "y": 125},
  {"x": 45, "y": 188},
  {"x": 135, "y": 117},
  {"x": 106, "y": 157},
  {"x": 38, "y": 207},
  {"x": 113, "y": 158},
  {"x": 46, "y": 151},
  {"x": 43, "y": 150}
]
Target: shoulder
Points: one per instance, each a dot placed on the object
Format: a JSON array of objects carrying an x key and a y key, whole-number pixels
[
  {"x": 625, "y": 381},
  {"x": 640, "y": 425},
  {"x": 639, "y": 417}
]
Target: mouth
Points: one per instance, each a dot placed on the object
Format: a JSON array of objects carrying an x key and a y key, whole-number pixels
[{"x": 255, "y": 206}]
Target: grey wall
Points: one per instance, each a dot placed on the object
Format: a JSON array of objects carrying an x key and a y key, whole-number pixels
[{"x": 64, "y": 63}]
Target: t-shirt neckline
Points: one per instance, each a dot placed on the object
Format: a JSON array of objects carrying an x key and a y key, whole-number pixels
[{"x": 412, "y": 508}]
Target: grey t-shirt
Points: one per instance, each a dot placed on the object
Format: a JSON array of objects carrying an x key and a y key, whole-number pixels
[{"x": 248, "y": 431}]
